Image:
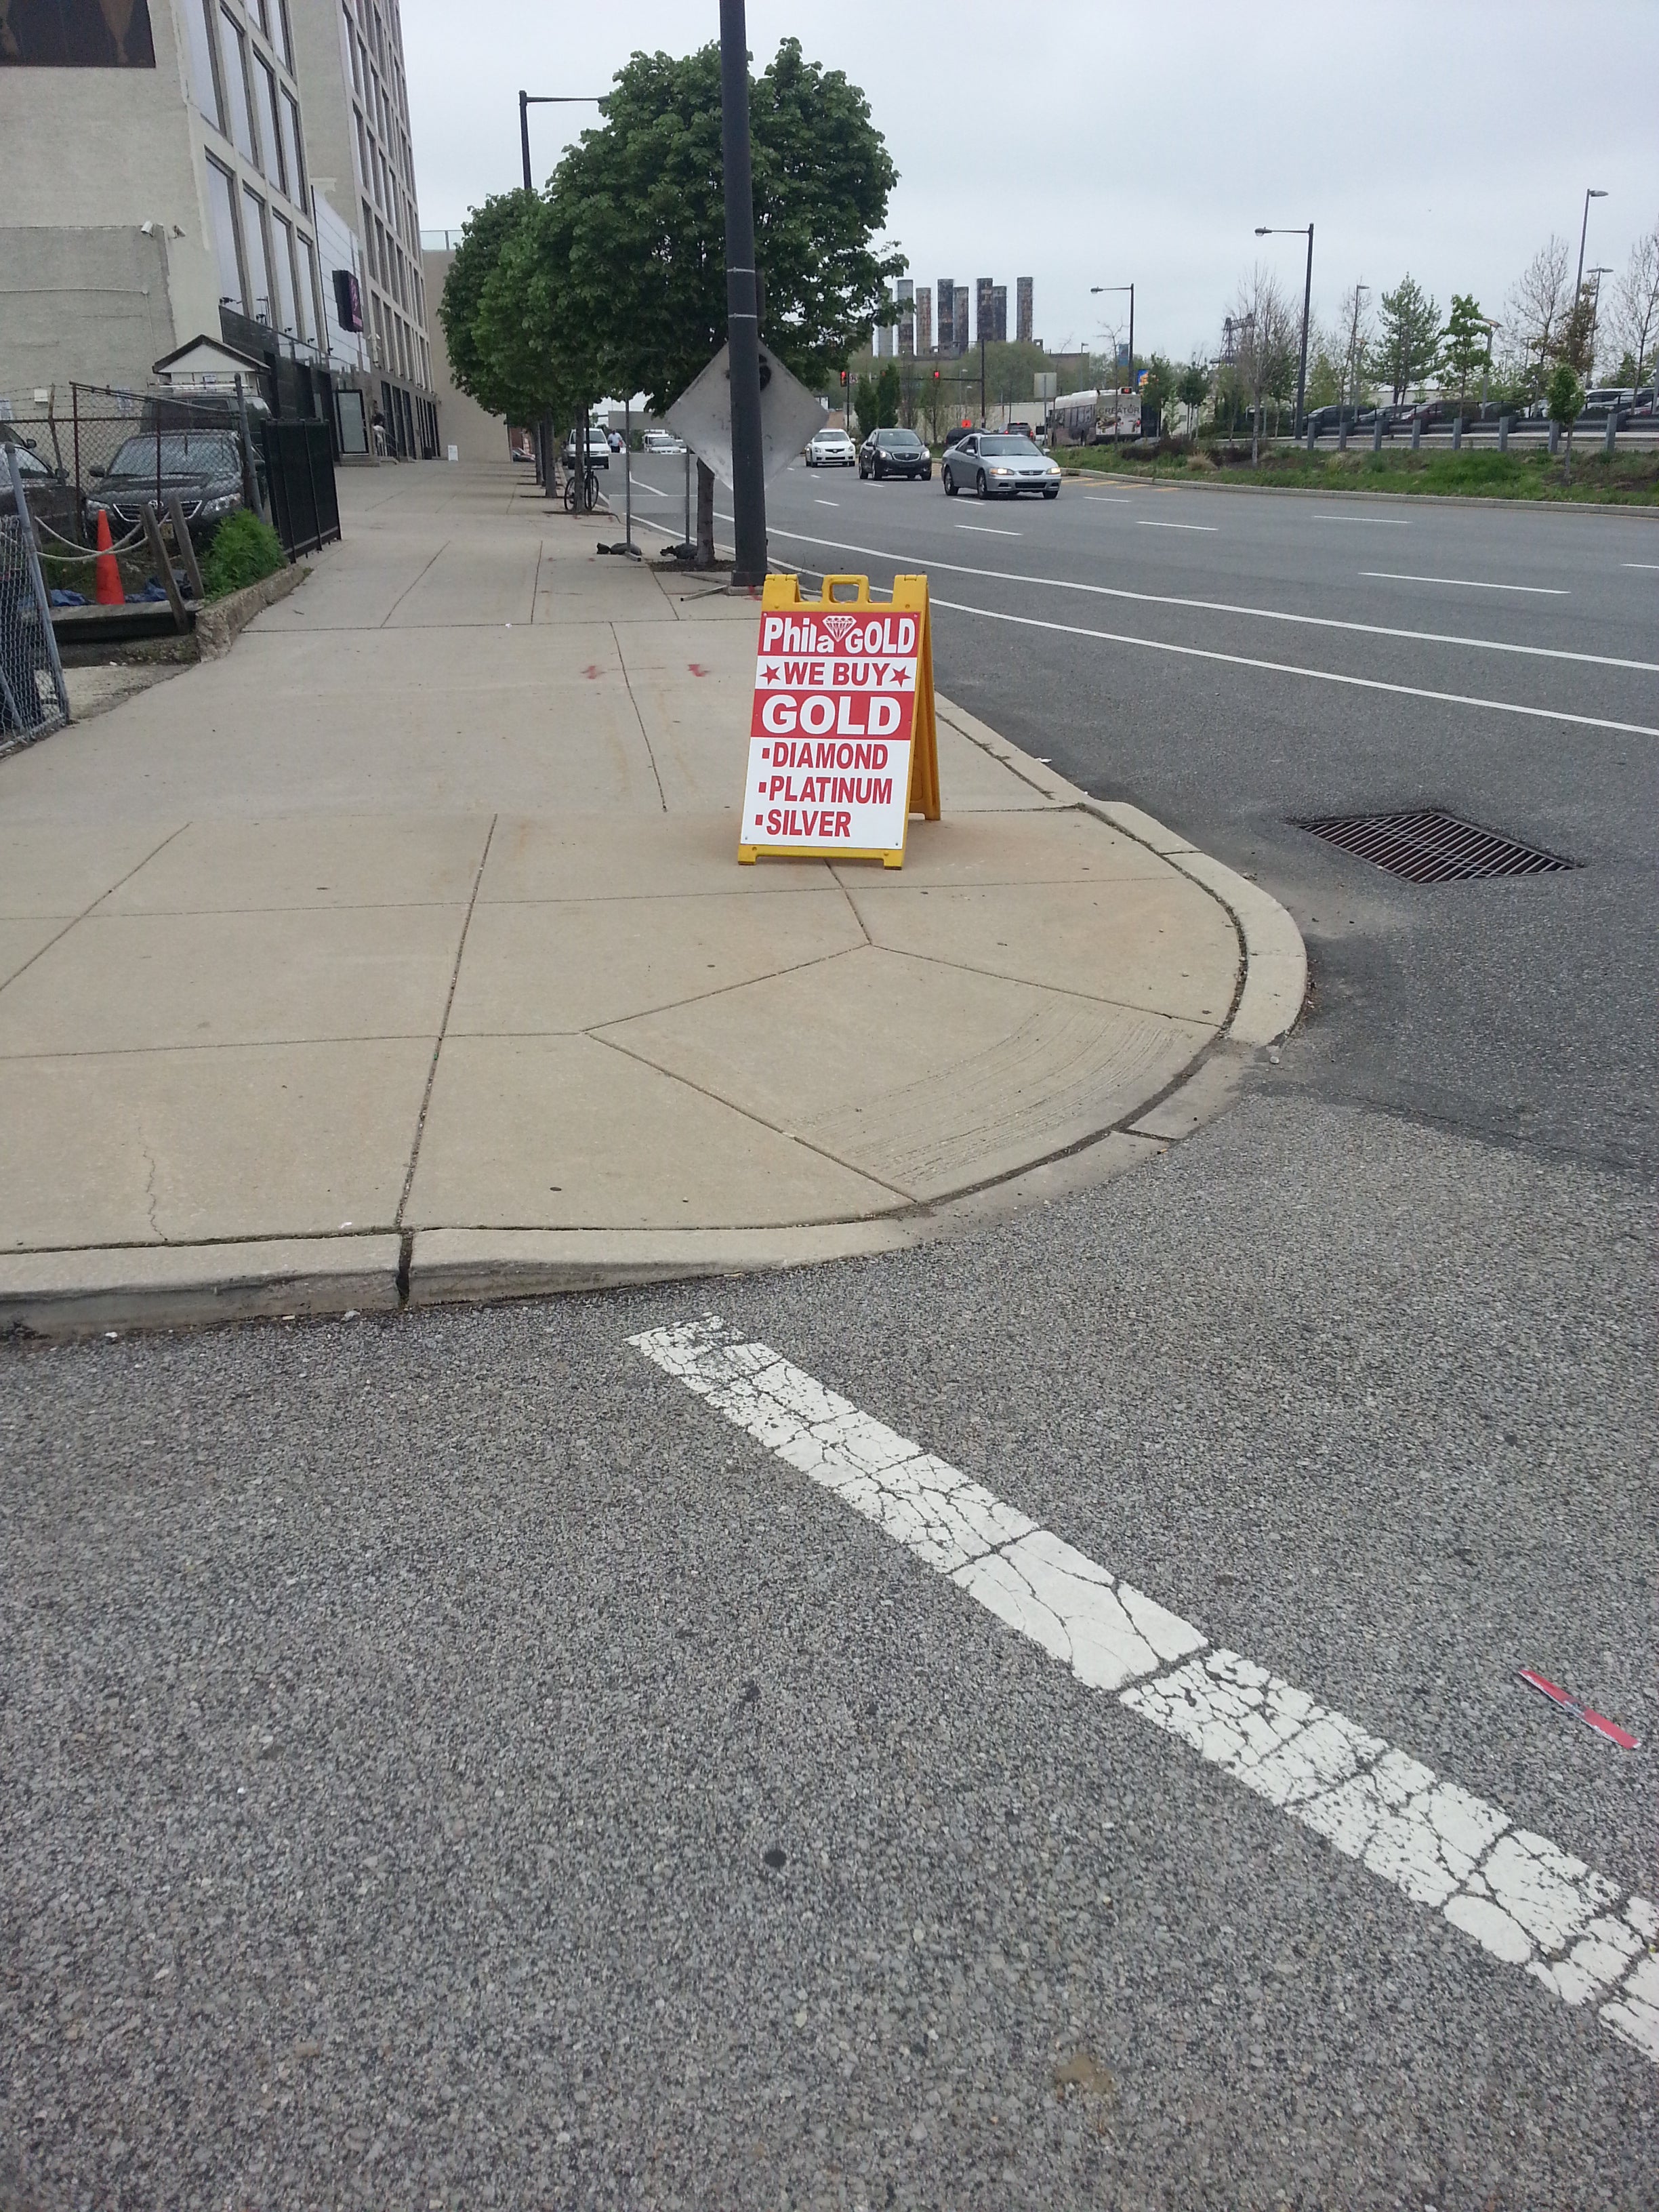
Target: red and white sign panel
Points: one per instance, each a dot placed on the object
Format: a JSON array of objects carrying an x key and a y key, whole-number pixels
[{"x": 829, "y": 738}]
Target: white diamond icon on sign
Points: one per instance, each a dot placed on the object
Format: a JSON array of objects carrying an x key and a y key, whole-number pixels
[
  {"x": 838, "y": 625},
  {"x": 703, "y": 416}
]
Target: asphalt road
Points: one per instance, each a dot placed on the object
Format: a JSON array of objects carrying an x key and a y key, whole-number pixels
[{"x": 444, "y": 1762}]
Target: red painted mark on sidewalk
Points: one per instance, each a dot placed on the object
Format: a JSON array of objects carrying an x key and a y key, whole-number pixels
[
  {"x": 695, "y": 668},
  {"x": 1568, "y": 1702},
  {"x": 590, "y": 674}
]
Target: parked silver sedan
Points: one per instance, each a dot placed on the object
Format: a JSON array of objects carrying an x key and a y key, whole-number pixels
[{"x": 996, "y": 465}]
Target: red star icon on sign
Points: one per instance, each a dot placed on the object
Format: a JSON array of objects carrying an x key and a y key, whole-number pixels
[{"x": 771, "y": 673}]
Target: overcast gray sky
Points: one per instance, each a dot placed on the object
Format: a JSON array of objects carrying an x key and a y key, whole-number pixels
[{"x": 1088, "y": 143}]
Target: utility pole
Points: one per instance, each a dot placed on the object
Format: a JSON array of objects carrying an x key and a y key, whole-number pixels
[
  {"x": 1583, "y": 233},
  {"x": 742, "y": 303}
]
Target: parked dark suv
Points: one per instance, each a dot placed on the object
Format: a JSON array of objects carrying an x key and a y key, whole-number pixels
[{"x": 894, "y": 454}]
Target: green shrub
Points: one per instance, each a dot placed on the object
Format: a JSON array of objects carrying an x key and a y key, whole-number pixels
[{"x": 245, "y": 548}]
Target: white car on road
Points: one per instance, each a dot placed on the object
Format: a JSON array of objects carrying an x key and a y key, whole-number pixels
[
  {"x": 831, "y": 449},
  {"x": 661, "y": 441}
]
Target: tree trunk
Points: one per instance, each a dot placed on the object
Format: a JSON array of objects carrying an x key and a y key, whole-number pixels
[
  {"x": 1255, "y": 436},
  {"x": 1567, "y": 475},
  {"x": 705, "y": 556}
]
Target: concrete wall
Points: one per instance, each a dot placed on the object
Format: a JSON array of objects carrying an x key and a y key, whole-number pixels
[
  {"x": 86, "y": 156},
  {"x": 461, "y": 422}
]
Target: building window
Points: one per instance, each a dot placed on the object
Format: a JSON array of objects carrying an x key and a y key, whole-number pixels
[
  {"x": 221, "y": 212},
  {"x": 288, "y": 37},
  {"x": 310, "y": 307},
  {"x": 282, "y": 255},
  {"x": 360, "y": 151},
  {"x": 350, "y": 46},
  {"x": 294, "y": 145},
  {"x": 277, "y": 168},
  {"x": 204, "y": 74},
  {"x": 258, "y": 8},
  {"x": 261, "y": 302},
  {"x": 237, "y": 90},
  {"x": 369, "y": 238}
]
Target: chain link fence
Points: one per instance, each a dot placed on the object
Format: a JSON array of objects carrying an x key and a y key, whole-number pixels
[
  {"x": 33, "y": 700},
  {"x": 110, "y": 453}
]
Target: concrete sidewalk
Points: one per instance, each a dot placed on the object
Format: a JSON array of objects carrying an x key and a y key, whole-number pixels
[{"x": 404, "y": 954}]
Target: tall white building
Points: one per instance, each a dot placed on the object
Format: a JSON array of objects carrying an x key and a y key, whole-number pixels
[{"x": 192, "y": 176}]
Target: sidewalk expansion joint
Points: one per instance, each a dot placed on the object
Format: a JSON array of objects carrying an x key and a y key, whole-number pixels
[{"x": 443, "y": 1026}]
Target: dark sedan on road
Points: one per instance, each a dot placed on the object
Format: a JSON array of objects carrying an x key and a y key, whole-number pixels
[
  {"x": 894, "y": 453},
  {"x": 204, "y": 467},
  {"x": 996, "y": 465}
]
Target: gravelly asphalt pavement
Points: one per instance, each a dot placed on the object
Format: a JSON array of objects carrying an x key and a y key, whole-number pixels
[{"x": 396, "y": 1716}]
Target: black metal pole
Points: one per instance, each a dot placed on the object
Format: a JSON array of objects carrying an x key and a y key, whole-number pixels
[
  {"x": 1302, "y": 372},
  {"x": 1134, "y": 389},
  {"x": 524, "y": 137},
  {"x": 742, "y": 313}
]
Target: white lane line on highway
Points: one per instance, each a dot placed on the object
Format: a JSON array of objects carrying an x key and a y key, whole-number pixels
[
  {"x": 1228, "y": 607},
  {"x": 990, "y": 530},
  {"x": 1640, "y": 564},
  {"x": 1143, "y": 524},
  {"x": 826, "y": 503},
  {"x": 1387, "y": 521},
  {"x": 1106, "y": 499},
  {"x": 1294, "y": 668},
  {"x": 1468, "y": 583},
  {"x": 1521, "y": 1898}
]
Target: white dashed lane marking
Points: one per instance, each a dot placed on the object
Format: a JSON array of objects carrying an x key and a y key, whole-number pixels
[{"x": 1519, "y": 1898}]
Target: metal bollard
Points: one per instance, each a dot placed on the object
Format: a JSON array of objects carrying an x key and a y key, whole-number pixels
[
  {"x": 1310, "y": 434},
  {"x": 1610, "y": 436},
  {"x": 1457, "y": 433},
  {"x": 1555, "y": 437},
  {"x": 1342, "y": 436},
  {"x": 1417, "y": 430},
  {"x": 1377, "y": 432},
  {"x": 1503, "y": 421}
]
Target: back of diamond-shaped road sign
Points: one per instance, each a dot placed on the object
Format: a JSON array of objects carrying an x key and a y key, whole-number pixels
[{"x": 703, "y": 416}]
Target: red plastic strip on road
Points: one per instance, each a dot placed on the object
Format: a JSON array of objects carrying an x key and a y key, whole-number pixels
[{"x": 1599, "y": 1722}]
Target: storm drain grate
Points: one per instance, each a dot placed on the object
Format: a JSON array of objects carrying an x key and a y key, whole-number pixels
[{"x": 1429, "y": 847}]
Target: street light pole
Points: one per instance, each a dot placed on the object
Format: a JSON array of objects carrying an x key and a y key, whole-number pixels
[
  {"x": 1583, "y": 233},
  {"x": 742, "y": 303},
  {"x": 1130, "y": 289},
  {"x": 1263, "y": 230}
]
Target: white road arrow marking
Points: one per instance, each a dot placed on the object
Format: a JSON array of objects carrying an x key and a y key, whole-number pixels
[{"x": 1519, "y": 1898}]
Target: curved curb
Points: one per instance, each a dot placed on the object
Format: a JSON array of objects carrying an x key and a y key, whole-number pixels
[{"x": 86, "y": 1292}]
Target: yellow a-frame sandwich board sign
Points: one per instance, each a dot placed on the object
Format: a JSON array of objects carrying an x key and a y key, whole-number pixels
[{"x": 843, "y": 743}]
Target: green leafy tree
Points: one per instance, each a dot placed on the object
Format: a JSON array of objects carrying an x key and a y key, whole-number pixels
[
  {"x": 1159, "y": 386},
  {"x": 1577, "y": 344},
  {"x": 1407, "y": 348},
  {"x": 889, "y": 393},
  {"x": 518, "y": 385},
  {"x": 865, "y": 416},
  {"x": 623, "y": 272},
  {"x": 1564, "y": 398},
  {"x": 1193, "y": 389},
  {"x": 1467, "y": 341}
]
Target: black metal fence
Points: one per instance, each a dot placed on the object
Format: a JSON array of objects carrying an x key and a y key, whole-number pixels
[{"x": 299, "y": 472}]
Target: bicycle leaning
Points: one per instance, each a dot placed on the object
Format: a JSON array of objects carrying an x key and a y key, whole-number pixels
[{"x": 581, "y": 492}]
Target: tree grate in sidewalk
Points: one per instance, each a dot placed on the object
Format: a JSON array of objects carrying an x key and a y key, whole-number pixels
[{"x": 1431, "y": 847}]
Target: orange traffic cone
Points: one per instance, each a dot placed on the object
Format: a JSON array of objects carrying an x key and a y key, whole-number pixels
[{"x": 108, "y": 591}]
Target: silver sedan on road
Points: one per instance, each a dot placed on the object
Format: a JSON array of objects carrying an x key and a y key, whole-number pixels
[{"x": 996, "y": 465}]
